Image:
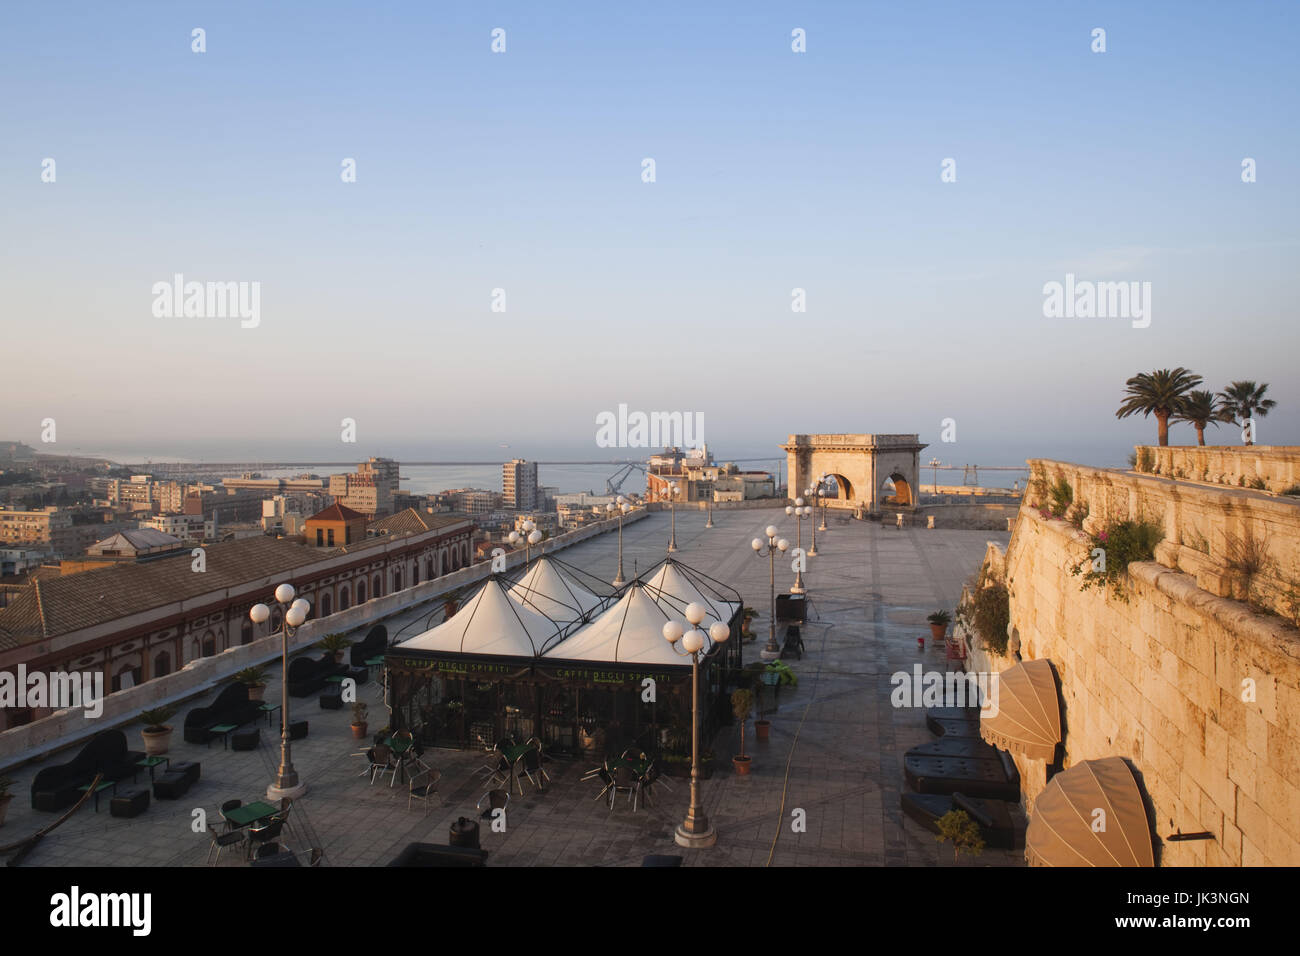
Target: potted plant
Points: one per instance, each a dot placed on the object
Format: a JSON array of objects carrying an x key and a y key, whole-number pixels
[
  {"x": 254, "y": 678},
  {"x": 157, "y": 735},
  {"x": 359, "y": 721},
  {"x": 5, "y": 797},
  {"x": 742, "y": 702},
  {"x": 745, "y": 633},
  {"x": 939, "y": 622},
  {"x": 336, "y": 643}
]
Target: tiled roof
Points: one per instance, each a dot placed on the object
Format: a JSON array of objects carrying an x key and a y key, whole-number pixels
[
  {"x": 336, "y": 512},
  {"x": 68, "y": 603},
  {"x": 412, "y": 521},
  {"x": 138, "y": 539}
]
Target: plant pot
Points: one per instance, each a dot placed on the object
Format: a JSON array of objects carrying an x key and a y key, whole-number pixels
[
  {"x": 156, "y": 742},
  {"x": 938, "y": 630},
  {"x": 762, "y": 728},
  {"x": 358, "y": 731},
  {"x": 338, "y": 657},
  {"x": 255, "y": 691},
  {"x": 742, "y": 765}
]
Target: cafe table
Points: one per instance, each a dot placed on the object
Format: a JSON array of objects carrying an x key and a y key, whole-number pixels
[{"x": 250, "y": 813}]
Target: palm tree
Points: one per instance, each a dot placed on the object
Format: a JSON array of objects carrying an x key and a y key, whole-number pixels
[
  {"x": 1200, "y": 409},
  {"x": 1161, "y": 393},
  {"x": 1245, "y": 401}
]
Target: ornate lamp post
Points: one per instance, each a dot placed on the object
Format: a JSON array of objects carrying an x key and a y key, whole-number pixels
[
  {"x": 710, "y": 524},
  {"x": 696, "y": 831},
  {"x": 621, "y": 507},
  {"x": 292, "y": 614},
  {"x": 815, "y": 493},
  {"x": 935, "y": 463},
  {"x": 821, "y": 493},
  {"x": 671, "y": 489},
  {"x": 800, "y": 513},
  {"x": 530, "y": 537},
  {"x": 771, "y": 652}
]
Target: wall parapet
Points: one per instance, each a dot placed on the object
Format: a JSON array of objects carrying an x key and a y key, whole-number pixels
[{"x": 1271, "y": 468}]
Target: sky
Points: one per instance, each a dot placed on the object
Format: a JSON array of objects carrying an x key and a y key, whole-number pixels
[{"x": 523, "y": 171}]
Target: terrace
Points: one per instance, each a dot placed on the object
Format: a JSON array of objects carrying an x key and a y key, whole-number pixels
[{"x": 835, "y": 749}]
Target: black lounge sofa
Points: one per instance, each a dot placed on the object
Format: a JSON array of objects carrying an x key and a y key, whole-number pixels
[
  {"x": 307, "y": 675},
  {"x": 997, "y": 825},
  {"x": 953, "y": 721},
  {"x": 434, "y": 854},
  {"x": 376, "y": 643},
  {"x": 232, "y": 706},
  {"x": 995, "y": 779},
  {"x": 956, "y": 747},
  {"x": 55, "y": 788}
]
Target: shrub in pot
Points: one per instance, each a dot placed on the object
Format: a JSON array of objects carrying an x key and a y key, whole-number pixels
[
  {"x": 742, "y": 703},
  {"x": 254, "y": 678},
  {"x": 359, "y": 720},
  {"x": 336, "y": 643},
  {"x": 939, "y": 622},
  {"x": 157, "y": 735}
]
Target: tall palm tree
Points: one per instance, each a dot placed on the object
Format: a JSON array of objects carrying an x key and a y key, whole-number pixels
[
  {"x": 1161, "y": 393},
  {"x": 1200, "y": 409},
  {"x": 1245, "y": 400}
]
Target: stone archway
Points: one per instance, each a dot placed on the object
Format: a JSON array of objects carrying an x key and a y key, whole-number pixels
[
  {"x": 901, "y": 495},
  {"x": 860, "y": 463}
]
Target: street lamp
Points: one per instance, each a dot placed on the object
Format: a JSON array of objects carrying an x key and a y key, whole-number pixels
[
  {"x": 799, "y": 512},
  {"x": 935, "y": 463},
  {"x": 695, "y": 831},
  {"x": 771, "y": 652},
  {"x": 530, "y": 537},
  {"x": 710, "y": 524},
  {"x": 671, "y": 489},
  {"x": 619, "y": 507},
  {"x": 292, "y": 614},
  {"x": 815, "y": 493}
]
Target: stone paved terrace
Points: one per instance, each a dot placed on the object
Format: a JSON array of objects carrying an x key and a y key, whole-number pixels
[{"x": 842, "y": 742}]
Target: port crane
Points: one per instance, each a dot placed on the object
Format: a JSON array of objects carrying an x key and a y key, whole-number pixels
[{"x": 614, "y": 483}]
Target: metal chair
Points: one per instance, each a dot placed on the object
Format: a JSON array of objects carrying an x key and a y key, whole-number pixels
[
  {"x": 422, "y": 791},
  {"x": 532, "y": 762},
  {"x": 625, "y": 781},
  {"x": 316, "y": 854},
  {"x": 381, "y": 761},
  {"x": 260, "y": 836},
  {"x": 226, "y": 808},
  {"x": 496, "y": 800},
  {"x": 221, "y": 841}
]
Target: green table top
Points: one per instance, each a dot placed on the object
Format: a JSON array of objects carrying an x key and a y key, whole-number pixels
[
  {"x": 514, "y": 753},
  {"x": 223, "y": 728},
  {"x": 374, "y": 661},
  {"x": 250, "y": 813},
  {"x": 336, "y": 679},
  {"x": 399, "y": 747},
  {"x": 103, "y": 786},
  {"x": 269, "y": 707},
  {"x": 152, "y": 761},
  {"x": 638, "y": 767}
]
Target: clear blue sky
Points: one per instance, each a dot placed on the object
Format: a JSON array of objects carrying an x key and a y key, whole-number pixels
[{"x": 521, "y": 171}]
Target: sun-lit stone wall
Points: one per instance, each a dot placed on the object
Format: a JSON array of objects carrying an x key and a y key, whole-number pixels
[
  {"x": 1199, "y": 692},
  {"x": 1273, "y": 468}
]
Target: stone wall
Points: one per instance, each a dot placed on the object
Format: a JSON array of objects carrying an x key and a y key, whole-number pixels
[
  {"x": 1200, "y": 693},
  {"x": 1273, "y": 468},
  {"x": 67, "y": 727}
]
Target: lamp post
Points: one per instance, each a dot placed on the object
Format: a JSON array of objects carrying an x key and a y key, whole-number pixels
[
  {"x": 695, "y": 831},
  {"x": 620, "y": 507},
  {"x": 710, "y": 524},
  {"x": 530, "y": 537},
  {"x": 671, "y": 490},
  {"x": 799, "y": 512},
  {"x": 815, "y": 493},
  {"x": 821, "y": 493},
  {"x": 934, "y": 463},
  {"x": 292, "y": 614},
  {"x": 771, "y": 652}
]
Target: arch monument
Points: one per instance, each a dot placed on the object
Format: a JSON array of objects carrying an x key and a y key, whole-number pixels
[{"x": 863, "y": 467}]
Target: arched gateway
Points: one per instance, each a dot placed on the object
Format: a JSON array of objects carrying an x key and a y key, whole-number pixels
[{"x": 863, "y": 466}]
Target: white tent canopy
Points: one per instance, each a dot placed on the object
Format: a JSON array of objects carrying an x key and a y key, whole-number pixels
[
  {"x": 630, "y": 632},
  {"x": 490, "y": 623},
  {"x": 544, "y": 588},
  {"x": 672, "y": 589}
]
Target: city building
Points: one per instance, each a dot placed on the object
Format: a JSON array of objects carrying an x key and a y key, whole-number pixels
[
  {"x": 184, "y": 527},
  {"x": 335, "y": 526},
  {"x": 370, "y": 490},
  {"x": 519, "y": 484}
]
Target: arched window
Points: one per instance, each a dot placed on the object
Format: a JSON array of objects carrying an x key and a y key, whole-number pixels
[
  {"x": 361, "y": 590},
  {"x": 343, "y": 598},
  {"x": 209, "y": 645},
  {"x": 276, "y": 620},
  {"x": 415, "y": 572},
  {"x": 326, "y": 604},
  {"x": 162, "y": 664},
  {"x": 397, "y": 579},
  {"x": 246, "y": 631},
  {"x": 377, "y": 586}
]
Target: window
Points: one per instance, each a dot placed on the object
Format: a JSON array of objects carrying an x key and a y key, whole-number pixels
[
  {"x": 246, "y": 631},
  {"x": 343, "y": 598},
  {"x": 361, "y": 591},
  {"x": 162, "y": 664},
  {"x": 377, "y": 586},
  {"x": 331, "y": 537},
  {"x": 320, "y": 537},
  {"x": 326, "y": 604}
]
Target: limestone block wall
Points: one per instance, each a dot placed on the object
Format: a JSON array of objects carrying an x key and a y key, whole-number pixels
[
  {"x": 1277, "y": 467},
  {"x": 1199, "y": 692}
]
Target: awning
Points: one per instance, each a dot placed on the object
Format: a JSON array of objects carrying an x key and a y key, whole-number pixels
[
  {"x": 1090, "y": 815},
  {"x": 1027, "y": 718}
]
